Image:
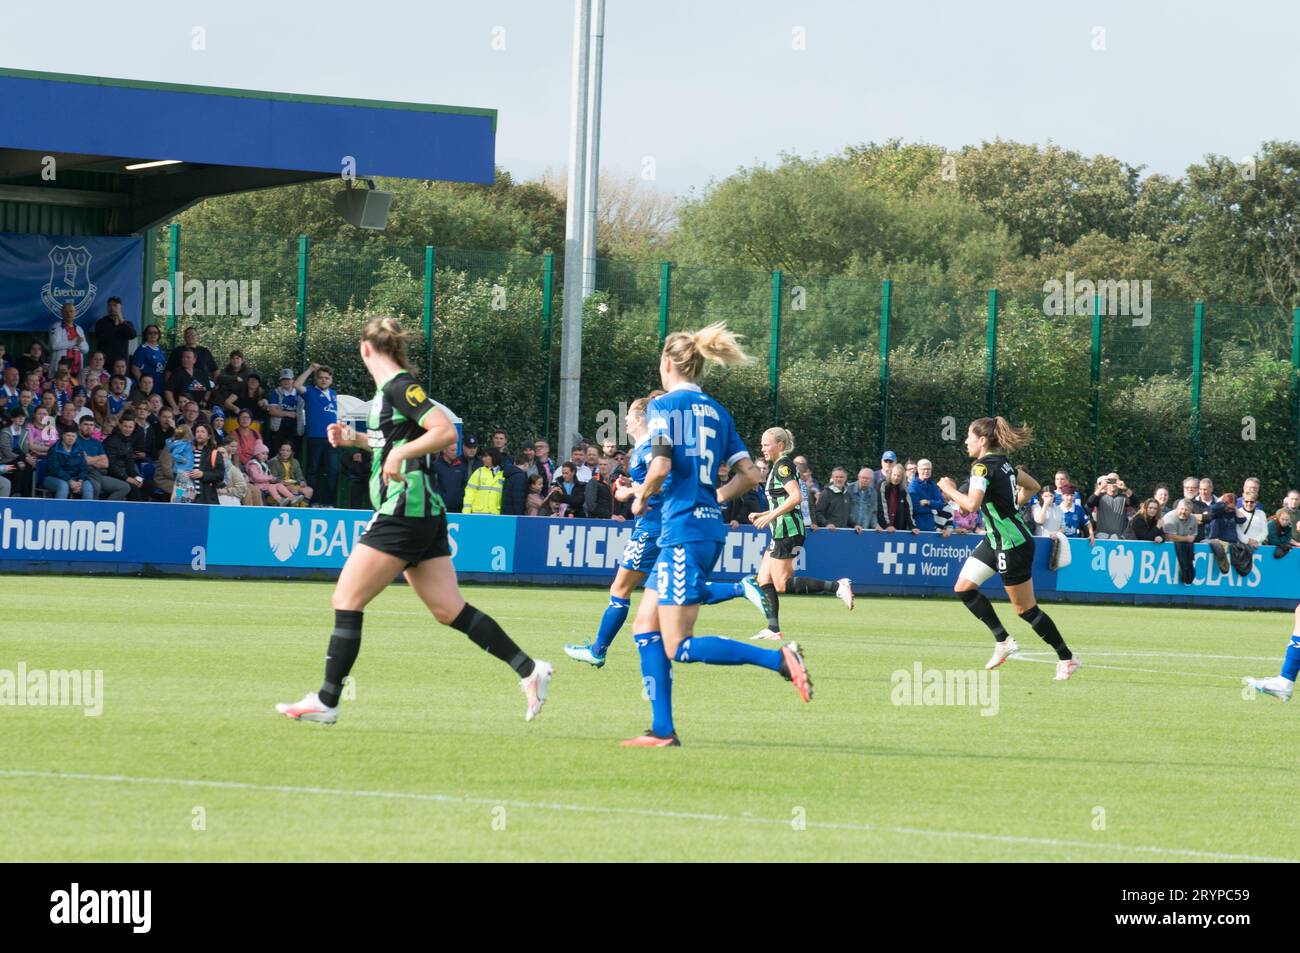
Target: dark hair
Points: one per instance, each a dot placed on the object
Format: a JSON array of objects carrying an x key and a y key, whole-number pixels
[
  {"x": 112, "y": 299},
  {"x": 387, "y": 336},
  {"x": 1000, "y": 435}
]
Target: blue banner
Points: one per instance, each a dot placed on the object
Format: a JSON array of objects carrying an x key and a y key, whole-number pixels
[
  {"x": 43, "y": 272},
  {"x": 92, "y": 531},
  {"x": 266, "y": 537},
  {"x": 1135, "y": 568}
]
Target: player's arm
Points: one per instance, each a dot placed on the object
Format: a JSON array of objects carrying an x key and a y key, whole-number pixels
[
  {"x": 625, "y": 493},
  {"x": 661, "y": 464},
  {"x": 792, "y": 501},
  {"x": 969, "y": 501},
  {"x": 1028, "y": 487},
  {"x": 744, "y": 478}
]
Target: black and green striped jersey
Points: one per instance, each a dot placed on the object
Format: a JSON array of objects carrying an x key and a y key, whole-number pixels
[
  {"x": 396, "y": 416},
  {"x": 1003, "y": 523},
  {"x": 789, "y": 524}
]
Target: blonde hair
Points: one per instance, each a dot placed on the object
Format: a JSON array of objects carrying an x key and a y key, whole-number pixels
[
  {"x": 387, "y": 336},
  {"x": 638, "y": 407},
  {"x": 181, "y": 433},
  {"x": 1000, "y": 434},
  {"x": 688, "y": 350},
  {"x": 783, "y": 436}
]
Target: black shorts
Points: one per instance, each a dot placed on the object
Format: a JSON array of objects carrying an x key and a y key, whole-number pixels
[
  {"x": 1014, "y": 565},
  {"x": 787, "y": 547},
  {"x": 408, "y": 538}
]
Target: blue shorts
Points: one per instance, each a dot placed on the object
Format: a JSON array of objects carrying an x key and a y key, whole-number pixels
[
  {"x": 641, "y": 552},
  {"x": 681, "y": 573}
]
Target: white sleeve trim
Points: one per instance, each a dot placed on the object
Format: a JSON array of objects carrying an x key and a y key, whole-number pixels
[
  {"x": 738, "y": 455},
  {"x": 978, "y": 483}
]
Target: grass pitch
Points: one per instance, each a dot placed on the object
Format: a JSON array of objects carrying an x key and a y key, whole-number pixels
[{"x": 1150, "y": 753}]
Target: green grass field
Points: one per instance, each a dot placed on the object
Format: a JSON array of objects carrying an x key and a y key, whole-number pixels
[{"x": 433, "y": 760}]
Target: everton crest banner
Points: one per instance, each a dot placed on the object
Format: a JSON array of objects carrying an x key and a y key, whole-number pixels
[{"x": 41, "y": 273}]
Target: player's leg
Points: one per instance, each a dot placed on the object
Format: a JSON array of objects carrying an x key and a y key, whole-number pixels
[
  {"x": 656, "y": 673},
  {"x": 1021, "y": 593},
  {"x": 1281, "y": 686},
  {"x": 366, "y": 573},
  {"x": 434, "y": 581},
  {"x": 620, "y": 603},
  {"x": 978, "y": 569},
  {"x": 691, "y": 565},
  {"x": 773, "y": 576}
]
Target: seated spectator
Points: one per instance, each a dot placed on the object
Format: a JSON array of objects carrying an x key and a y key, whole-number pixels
[
  {"x": 252, "y": 401},
  {"x": 863, "y": 501},
  {"x": 895, "y": 506},
  {"x": 159, "y": 433},
  {"x": 230, "y": 381},
  {"x": 117, "y": 396},
  {"x": 245, "y": 437},
  {"x": 928, "y": 504},
  {"x": 834, "y": 510},
  {"x": 17, "y": 462},
  {"x": 99, "y": 408},
  {"x": 149, "y": 359},
  {"x": 260, "y": 476},
  {"x": 186, "y": 380},
  {"x": 66, "y": 472},
  {"x": 235, "y": 490},
  {"x": 1253, "y": 528},
  {"x": 1145, "y": 524},
  {"x": 1279, "y": 529},
  {"x": 107, "y": 487},
  {"x": 483, "y": 492},
  {"x": 537, "y": 502},
  {"x": 95, "y": 373},
  {"x": 42, "y": 432},
  {"x": 119, "y": 449},
  {"x": 286, "y": 468},
  {"x": 1109, "y": 506},
  {"x": 11, "y": 392}
]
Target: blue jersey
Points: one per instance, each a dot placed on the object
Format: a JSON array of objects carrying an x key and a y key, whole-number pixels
[
  {"x": 322, "y": 410},
  {"x": 638, "y": 465},
  {"x": 702, "y": 437}
]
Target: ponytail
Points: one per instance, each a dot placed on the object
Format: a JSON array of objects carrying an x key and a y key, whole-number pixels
[
  {"x": 689, "y": 350},
  {"x": 782, "y": 436},
  {"x": 1000, "y": 435}
]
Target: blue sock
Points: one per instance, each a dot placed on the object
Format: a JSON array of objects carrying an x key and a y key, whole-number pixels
[
  {"x": 722, "y": 591},
  {"x": 657, "y": 675},
  {"x": 715, "y": 650},
  {"x": 613, "y": 619},
  {"x": 1291, "y": 664}
]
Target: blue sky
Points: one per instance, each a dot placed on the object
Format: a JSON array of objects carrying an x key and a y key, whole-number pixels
[{"x": 706, "y": 87}]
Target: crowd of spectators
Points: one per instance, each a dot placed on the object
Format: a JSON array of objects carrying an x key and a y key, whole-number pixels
[{"x": 114, "y": 423}]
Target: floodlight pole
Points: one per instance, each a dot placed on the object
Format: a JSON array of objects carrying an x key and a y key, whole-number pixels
[
  {"x": 591, "y": 201},
  {"x": 571, "y": 322}
]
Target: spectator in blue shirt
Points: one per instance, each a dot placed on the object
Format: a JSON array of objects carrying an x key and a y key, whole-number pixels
[
  {"x": 284, "y": 420},
  {"x": 1074, "y": 515},
  {"x": 322, "y": 406},
  {"x": 66, "y": 471},
  {"x": 927, "y": 501},
  {"x": 452, "y": 475},
  {"x": 149, "y": 359}
]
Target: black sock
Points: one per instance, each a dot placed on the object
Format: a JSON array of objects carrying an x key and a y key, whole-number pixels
[
  {"x": 345, "y": 643},
  {"x": 1042, "y": 624},
  {"x": 982, "y": 609},
  {"x": 484, "y": 632},
  {"x": 802, "y": 586},
  {"x": 773, "y": 617}
]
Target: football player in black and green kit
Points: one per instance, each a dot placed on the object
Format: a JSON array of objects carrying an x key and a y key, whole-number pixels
[
  {"x": 784, "y": 519},
  {"x": 408, "y": 532},
  {"x": 997, "y": 489}
]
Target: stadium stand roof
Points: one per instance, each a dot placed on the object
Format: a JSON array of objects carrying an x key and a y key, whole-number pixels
[{"x": 217, "y": 141}]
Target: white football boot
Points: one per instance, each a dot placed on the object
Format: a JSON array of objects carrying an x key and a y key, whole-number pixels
[
  {"x": 309, "y": 709},
  {"x": 1277, "y": 686},
  {"x": 1067, "y": 667},
  {"x": 845, "y": 591},
  {"x": 1002, "y": 651},
  {"x": 534, "y": 687}
]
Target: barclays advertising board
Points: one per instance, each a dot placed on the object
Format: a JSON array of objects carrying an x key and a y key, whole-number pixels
[
  {"x": 266, "y": 537},
  {"x": 1131, "y": 567}
]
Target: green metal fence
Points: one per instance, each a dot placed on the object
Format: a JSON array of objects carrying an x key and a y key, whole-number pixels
[{"x": 852, "y": 366}]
